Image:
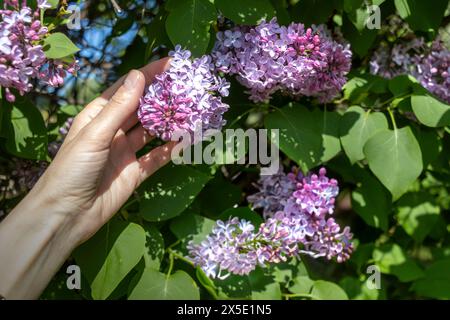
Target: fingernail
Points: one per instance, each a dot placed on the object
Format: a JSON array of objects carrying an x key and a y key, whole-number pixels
[{"x": 132, "y": 79}]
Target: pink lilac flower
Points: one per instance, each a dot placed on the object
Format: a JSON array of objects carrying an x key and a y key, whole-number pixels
[
  {"x": 316, "y": 194},
  {"x": 302, "y": 225},
  {"x": 185, "y": 97},
  {"x": 295, "y": 60},
  {"x": 22, "y": 58}
]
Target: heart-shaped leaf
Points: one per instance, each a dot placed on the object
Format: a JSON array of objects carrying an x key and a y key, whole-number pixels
[
  {"x": 357, "y": 126},
  {"x": 109, "y": 256},
  {"x": 154, "y": 285},
  {"x": 395, "y": 157}
]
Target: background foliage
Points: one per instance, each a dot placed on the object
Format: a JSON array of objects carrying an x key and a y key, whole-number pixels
[{"x": 393, "y": 169}]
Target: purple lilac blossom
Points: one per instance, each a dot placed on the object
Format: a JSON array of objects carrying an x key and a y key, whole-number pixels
[
  {"x": 302, "y": 225},
  {"x": 22, "y": 57},
  {"x": 400, "y": 59},
  {"x": 274, "y": 191},
  {"x": 433, "y": 71},
  {"x": 430, "y": 65},
  {"x": 295, "y": 60},
  {"x": 185, "y": 97}
]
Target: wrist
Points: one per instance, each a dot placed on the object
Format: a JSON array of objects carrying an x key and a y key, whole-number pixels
[
  {"x": 51, "y": 216},
  {"x": 42, "y": 240}
]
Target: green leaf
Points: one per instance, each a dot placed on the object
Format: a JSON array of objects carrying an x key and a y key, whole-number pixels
[
  {"x": 307, "y": 11},
  {"x": 372, "y": 201},
  {"x": 156, "y": 34},
  {"x": 154, "y": 246},
  {"x": 193, "y": 227},
  {"x": 281, "y": 7},
  {"x": 358, "y": 290},
  {"x": 391, "y": 259},
  {"x": 394, "y": 156},
  {"x": 417, "y": 213},
  {"x": 284, "y": 272},
  {"x": 25, "y": 130},
  {"x": 358, "y": 88},
  {"x": 154, "y": 285},
  {"x": 110, "y": 255},
  {"x": 357, "y": 13},
  {"x": 218, "y": 195},
  {"x": 436, "y": 282},
  {"x": 361, "y": 41},
  {"x": 71, "y": 110},
  {"x": 301, "y": 283},
  {"x": 429, "y": 110},
  {"x": 307, "y": 137},
  {"x": 188, "y": 24},
  {"x": 169, "y": 191},
  {"x": 402, "y": 85},
  {"x": 247, "y": 12},
  {"x": 352, "y": 5},
  {"x": 134, "y": 56},
  {"x": 430, "y": 144},
  {"x": 263, "y": 286},
  {"x": 57, "y": 46},
  {"x": 325, "y": 290},
  {"x": 357, "y": 126},
  {"x": 422, "y": 15},
  {"x": 234, "y": 286},
  {"x": 53, "y": 3},
  {"x": 242, "y": 213}
]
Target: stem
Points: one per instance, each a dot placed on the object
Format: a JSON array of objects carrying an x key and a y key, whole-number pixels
[
  {"x": 179, "y": 256},
  {"x": 241, "y": 116},
  {"x": 174, "y": 254},
  {"x": 170, "y": 265},
  {"x": 393, "y": 98},
  {"x": 300, "y": 295},
  {"x": 173, "y": 245},
  {"x": 391, "y": 114},
  {"x": 126, "y": 205}
]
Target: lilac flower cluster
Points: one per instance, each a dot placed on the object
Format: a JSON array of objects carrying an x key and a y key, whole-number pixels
[
  {"x": 430, "y": 65},
  {"x": 274, "y": 191},
  {"x": 295, "y": 60},
  {"x": 434, "y": 71},
  {"x": 185, "y": 97},
  {"x": 22, "y": 58},
  {"x": 401, "y": 59},
  {"x": 299, "y": 223}
]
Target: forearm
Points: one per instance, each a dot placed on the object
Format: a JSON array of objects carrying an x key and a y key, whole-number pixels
[{"x": 35, "y": 240}]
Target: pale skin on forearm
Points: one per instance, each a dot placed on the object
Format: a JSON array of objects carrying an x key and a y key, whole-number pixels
[{"x": 92, "y": 176}]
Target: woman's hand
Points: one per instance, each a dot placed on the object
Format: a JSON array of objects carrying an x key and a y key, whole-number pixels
[
  {"x": 93, "y": 174},
  {"x": 96, "y": 169}
]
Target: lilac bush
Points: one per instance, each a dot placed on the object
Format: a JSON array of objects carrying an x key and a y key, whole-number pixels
[
  {"x": 296, "y": 60},
  {"x": 292, "y": 69},
  {"x": 22, "y": 56},
  {"x": 185, "y": 97},
  {"x": 299, "y": 223}
]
